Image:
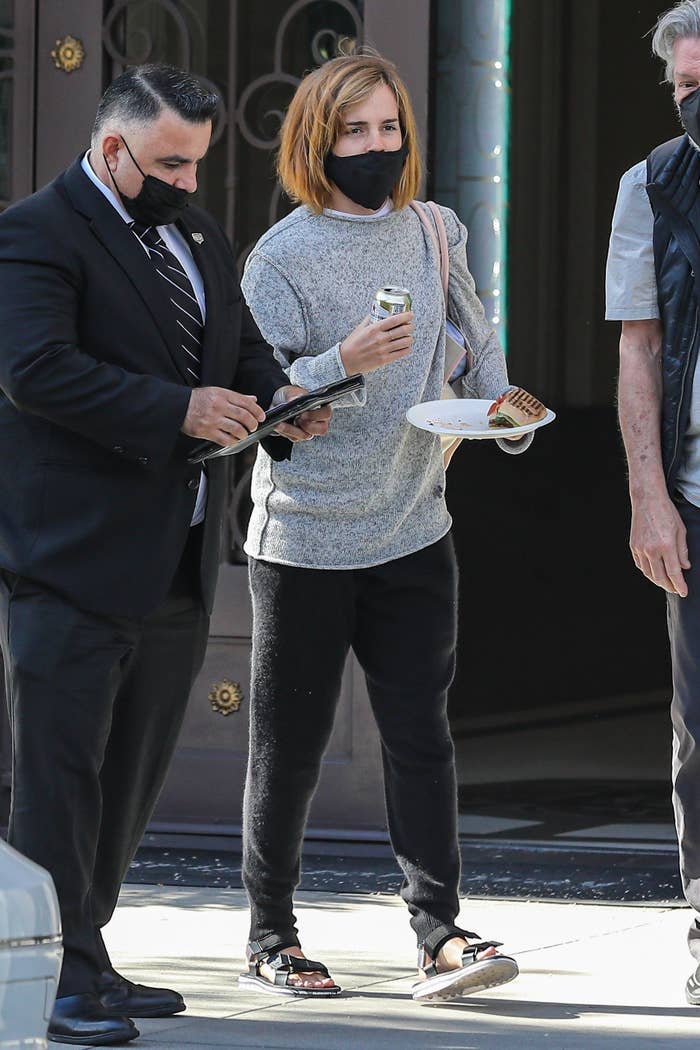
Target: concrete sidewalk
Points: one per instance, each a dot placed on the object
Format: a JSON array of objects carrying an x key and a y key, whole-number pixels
[{"x": 593, "y": 976}]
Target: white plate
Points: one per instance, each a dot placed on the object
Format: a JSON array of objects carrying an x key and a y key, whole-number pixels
[{"x": 465, "y": 418}]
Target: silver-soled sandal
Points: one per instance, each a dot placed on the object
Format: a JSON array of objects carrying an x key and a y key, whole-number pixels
[
  {"x": 284, "y": 967},
  {"x": 475, "y": 975}
]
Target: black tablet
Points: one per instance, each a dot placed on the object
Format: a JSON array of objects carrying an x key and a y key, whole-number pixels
[{"x": 288, "y": 410}]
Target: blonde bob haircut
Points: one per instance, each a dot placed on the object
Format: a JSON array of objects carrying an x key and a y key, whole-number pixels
[{"x": 314, "y": 121}]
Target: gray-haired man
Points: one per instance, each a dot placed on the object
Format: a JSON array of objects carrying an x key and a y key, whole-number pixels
[{"x": 653, "y": 287}]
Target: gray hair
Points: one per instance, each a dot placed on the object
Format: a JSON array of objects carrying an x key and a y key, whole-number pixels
[{"x": 677, "y": 23}]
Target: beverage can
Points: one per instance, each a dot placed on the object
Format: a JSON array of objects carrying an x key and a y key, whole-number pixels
[{"x": 389, "y": 301}]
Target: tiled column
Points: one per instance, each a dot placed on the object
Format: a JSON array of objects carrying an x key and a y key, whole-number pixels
[{"x": 471, "y": 136}]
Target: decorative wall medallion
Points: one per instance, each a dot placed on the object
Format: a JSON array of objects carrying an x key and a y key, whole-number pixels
[
  {"x": 225, "y": 697},
  {"x": 68, "y": 54}
]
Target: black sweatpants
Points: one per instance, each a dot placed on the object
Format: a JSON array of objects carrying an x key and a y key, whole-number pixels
[
  {"x": 400, "y": 618},
  {"x": 96, "y": 704}
]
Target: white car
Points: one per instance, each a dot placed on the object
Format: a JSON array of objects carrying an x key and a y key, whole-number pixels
[{"x": 30, "y": 951}]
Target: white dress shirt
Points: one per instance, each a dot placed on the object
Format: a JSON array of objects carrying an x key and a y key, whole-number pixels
[{"x": 179, "y": 247}]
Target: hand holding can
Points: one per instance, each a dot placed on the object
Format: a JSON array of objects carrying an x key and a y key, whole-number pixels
[
  {"x": 389, "y": 301},
  {"x": 384, "y": 336}
]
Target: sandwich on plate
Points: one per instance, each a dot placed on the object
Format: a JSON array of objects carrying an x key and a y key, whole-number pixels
[{"x": 515, "y": 408}]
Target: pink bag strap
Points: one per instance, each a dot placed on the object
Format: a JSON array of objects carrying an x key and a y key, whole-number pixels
[{"x": 438, "y": 234}]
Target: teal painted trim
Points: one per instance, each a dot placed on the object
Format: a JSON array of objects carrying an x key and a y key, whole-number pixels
[{"x": 507, "y": 16}]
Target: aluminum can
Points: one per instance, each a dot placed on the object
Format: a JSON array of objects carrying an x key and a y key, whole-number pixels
[{"x": 389, "y": 301}]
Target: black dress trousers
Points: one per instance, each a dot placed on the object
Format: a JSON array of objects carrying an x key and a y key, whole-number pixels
[{"x": 96, "y": 704}]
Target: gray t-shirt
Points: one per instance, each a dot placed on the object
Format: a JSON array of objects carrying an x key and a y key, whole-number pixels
[
  {"x": 373, "y": 489},
  {"x": 631, "y": 295}
]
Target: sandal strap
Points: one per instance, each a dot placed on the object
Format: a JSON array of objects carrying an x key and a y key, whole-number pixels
[
  {"x": 292, "y": 964},
  {"x": 439, "y": 936},
  {"x": 284, "y": 965},
  {"x": 468, "y": 955},
  {"x": 430, "y": 970},
  {"x": 481, "y": 946},
  {"x": 270, "y": 943}
]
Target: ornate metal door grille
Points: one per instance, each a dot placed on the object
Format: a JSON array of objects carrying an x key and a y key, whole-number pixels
[{"x": 17, "y": 44}]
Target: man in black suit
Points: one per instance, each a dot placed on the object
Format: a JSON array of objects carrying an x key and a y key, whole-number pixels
[{"x": 123, "y": 337}]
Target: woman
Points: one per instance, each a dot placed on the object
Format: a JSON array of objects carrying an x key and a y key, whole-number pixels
[{"x": 348, "y": 540}]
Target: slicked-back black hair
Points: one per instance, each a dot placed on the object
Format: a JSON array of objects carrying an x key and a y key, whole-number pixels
[{"x": 141, "y": 93}]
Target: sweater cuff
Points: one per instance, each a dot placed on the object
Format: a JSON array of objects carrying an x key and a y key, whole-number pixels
[
  {"x": 514, "y": 448},
  {"x": 313, "y": 372}
]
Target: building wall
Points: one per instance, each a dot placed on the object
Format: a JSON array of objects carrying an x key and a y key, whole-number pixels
[{"x": 585, "y": 104}]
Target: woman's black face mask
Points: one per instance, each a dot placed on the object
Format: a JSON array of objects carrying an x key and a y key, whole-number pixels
[
  {"x": 367, "y": 178},
  {"x": 157, "y": 203},
  {"x": 689, "y": 110}
]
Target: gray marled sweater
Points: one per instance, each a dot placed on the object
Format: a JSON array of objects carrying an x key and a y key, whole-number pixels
[{"x": 373, "y": 489}]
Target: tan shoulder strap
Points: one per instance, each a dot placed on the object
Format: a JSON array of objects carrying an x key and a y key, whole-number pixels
[
  {"x": 436, "y": 231},
  {"x": 442, "y": 239},
  {"x": 438, "y": 234}
]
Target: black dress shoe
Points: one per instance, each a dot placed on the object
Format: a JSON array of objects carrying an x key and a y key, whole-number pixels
[
  {"x": 692, "y": 988},
  {"x": 82, "y": 1019},
  {"x": 121, "y": 997}
]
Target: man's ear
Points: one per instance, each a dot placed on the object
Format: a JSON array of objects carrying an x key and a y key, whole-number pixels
[{"x": 111, "y": 145}]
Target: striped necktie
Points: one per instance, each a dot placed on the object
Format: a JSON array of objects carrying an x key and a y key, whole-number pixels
[{"x": 181, "y": 294}]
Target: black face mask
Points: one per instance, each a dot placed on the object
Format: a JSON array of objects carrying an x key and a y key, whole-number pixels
[
  {"x": 689, "y": 111},
  {"x": 157, "y": 203},
  {"x": 367, "y": 178}
]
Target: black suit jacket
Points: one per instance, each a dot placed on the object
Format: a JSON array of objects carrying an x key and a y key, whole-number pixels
[{"x": 96, "y": 495}]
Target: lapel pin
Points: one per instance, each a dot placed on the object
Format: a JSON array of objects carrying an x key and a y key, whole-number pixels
[{"x": 198, "y": 238}]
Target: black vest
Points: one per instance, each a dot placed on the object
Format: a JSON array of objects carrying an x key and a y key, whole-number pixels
[{"x": 673, "y": 178}]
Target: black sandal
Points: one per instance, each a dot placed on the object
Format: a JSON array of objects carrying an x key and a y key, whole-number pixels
[
  {"x": 284, "y": 967},
  {"x": 474, "y": 975}
]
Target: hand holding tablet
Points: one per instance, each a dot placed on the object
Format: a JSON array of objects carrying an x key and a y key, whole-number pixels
[{"x": 283, "y": 413}]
